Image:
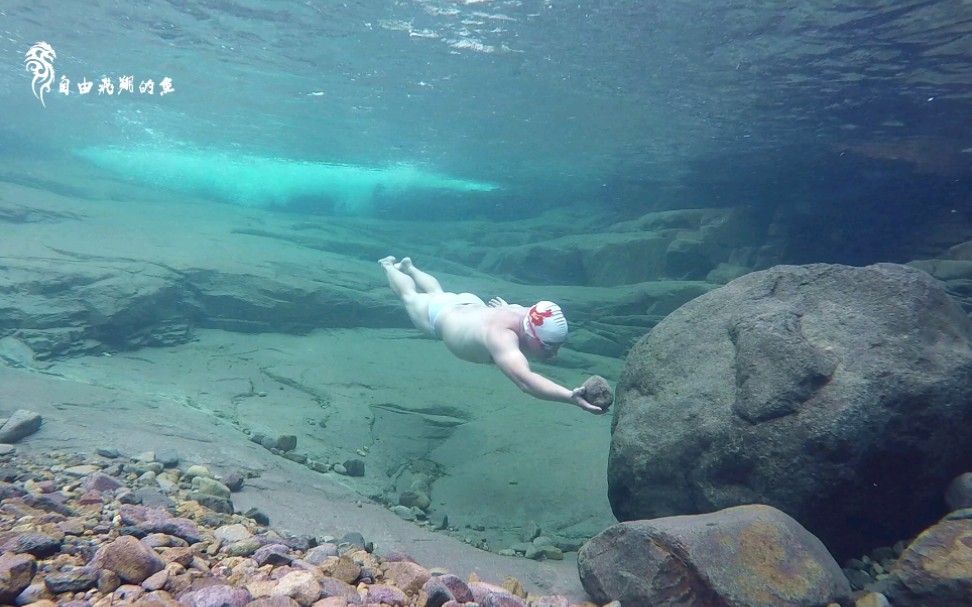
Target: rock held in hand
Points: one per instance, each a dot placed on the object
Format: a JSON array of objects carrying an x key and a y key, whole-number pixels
[{"x": 598, "y": 392}]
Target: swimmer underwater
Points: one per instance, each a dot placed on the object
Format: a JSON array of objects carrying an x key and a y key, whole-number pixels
[{"x": 498, "y": 332}]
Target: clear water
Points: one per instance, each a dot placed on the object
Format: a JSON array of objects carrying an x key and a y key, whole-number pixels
[
  {"x": 628, "y": 104},
  {"x": 855, "y": 115}
]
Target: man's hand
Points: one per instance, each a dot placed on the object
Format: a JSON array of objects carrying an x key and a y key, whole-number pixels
[
  {"x": 577, "y": 397},
  {"x": 497, "y": 302}
]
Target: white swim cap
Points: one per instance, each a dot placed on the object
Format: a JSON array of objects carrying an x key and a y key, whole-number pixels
[{"x": 545, "y": 321}]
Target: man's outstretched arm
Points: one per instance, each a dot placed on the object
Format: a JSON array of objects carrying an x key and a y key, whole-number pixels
[{"x": 507, "y": 356}]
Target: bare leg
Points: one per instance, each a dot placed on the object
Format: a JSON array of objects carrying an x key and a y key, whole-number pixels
[
  {"x": 416, "y": 304},
  {"x": 426, "y": 282},
  {"x": 400, "y": 283}
]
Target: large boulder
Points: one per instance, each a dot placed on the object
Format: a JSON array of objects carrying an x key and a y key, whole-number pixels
[
  {"x": 840, "y": 395},
  {"x": 749, "y": 556}
]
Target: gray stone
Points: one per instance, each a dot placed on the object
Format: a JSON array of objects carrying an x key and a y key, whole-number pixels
[
  {"x": 37, "y": 544},
  {"x": 168, "y": 457},
  {"x": 355, "y": 539},
  {"x": 213, "y": 502},
  {"x": 258, "y": 516},
  {"x": 300, "y": 458},
  {"x": 152, "y": 498},
  {"x": 755, "y": 556},
  {"x": 958, "y": 495},
  {"x": 318, "y": 466},
  {"x": 81, "y": 470},
  {"x": 403, "y": 512},
  {"x": 196, "y": 470},
  {"x": 234, "y": 480},
  {"x": 858, "y": 578},
  {"x": 75, "y": 580},
  {"x": 354, "y": 467},
  {"x": 796, "y": 387},
  {"x": 286, "y": 442},
  {"x": 320, "y": 553},
  {"x": 210, "y": 486},
  {"x": 273, "y": 554},
  {"x": 568, "y": 544},
  {"x": 544, "y": 552},
  {"x": 21, "y": 424},
  {"x": 228, "y": 534},
  {"x": 414, "y": 499}
]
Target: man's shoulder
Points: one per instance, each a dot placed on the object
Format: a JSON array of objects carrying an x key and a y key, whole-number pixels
[{"x": 505, "y": 318}]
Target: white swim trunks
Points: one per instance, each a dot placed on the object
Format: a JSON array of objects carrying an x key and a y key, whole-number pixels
[{"x": 441, "y": 300}]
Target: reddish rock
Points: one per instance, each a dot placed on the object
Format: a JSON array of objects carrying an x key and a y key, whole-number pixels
[
  {"x": 217, "y": 595},
  {"x": 448, "y": 587},
  {"x": 158, "y": 598},
  {"x": 127, "y": 593},
  {"x": 90, "y": 498},
  {"x": 132, "y": 560},
  {"x": 100, "y": 482},
  {"x": 490, "y": 595},
  {"x": 407, "y": 575},
  {"x": 275, "y": 601},
  {"x": 342, "y": 568},
  {"x": 386, "y": 595},
  {"x": 16, "y": 571},
  {"x": 180, "y": 554},
  {"x": 755, "y": 556},
  {"x": 553, "y": 600},
  {"x": 935, "y": 570},
  {"x": 333, "y": 587},
  {"x": 302, "y": 586}
]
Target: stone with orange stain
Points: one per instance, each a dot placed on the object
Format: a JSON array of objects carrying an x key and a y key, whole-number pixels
[
  {"x": 753, "y": 556},
  {"x": 936, "y": 569}
]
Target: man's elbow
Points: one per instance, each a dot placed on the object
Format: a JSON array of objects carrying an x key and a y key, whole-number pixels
[{"x": 523, "y": 385}]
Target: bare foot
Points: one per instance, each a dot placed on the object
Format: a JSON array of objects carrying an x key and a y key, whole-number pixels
[
  {"x": 387, "y": 261},
  {"x": 405, "y": 265}
]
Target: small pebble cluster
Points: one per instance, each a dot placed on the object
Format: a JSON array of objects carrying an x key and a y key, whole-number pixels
[
  {"x": 92, "y": 531},
  {"x": 867, "y": 570}
]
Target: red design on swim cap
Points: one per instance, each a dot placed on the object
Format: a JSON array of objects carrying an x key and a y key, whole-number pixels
[{"x": 536, "y": 316}]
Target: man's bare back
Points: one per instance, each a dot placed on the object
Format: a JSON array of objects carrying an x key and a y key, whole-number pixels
[
  {"x": 465, "y": 328},
  {"x": 497, "y": 332}
]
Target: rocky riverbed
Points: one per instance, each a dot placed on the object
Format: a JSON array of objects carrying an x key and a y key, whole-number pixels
[{"x": 99, "y": 529}]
